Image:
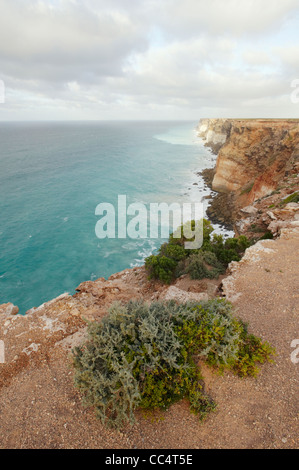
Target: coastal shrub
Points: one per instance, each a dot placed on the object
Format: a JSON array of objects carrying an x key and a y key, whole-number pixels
[
  {"x": 206, "y": 232},
  {"x": 203, "y": 264},
  {"x": 175, "y": 252},
  {"x": 231, "y": 249},
  {"x": 161, "y": 267},
  {"x": 146, "y": 356},
  {"x": 209, "y": 261}
]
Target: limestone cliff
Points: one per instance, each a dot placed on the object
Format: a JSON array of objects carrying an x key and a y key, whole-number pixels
[
  {"x": 214, "y": 132},
  {"x": 254, "y": 155}
]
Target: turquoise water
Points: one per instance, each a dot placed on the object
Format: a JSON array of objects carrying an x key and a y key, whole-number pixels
[{"x": 53, "y": 175}]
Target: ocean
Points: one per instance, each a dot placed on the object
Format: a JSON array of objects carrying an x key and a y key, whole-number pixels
[{"x": 53, "y": 176}]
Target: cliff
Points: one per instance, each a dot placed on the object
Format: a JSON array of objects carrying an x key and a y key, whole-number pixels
[
  {"x": 254, "y": 155},
  {"x": 215, "y": 132},
  {"x": 255, "y": 158}
]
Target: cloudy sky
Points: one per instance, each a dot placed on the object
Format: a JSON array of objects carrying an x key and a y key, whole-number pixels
[{"x": 148, "y": 59}]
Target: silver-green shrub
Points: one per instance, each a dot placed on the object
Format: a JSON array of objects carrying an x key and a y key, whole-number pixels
[{"x": 144, "y": 355}]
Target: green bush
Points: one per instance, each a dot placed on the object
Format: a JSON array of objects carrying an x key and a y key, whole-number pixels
[
  {"x": 161, "y": 267},
  {"x": 231, "y": 249},
  {"x": 146, "y": 356},
  {"x": 203, "y": 264},
  {"x": 267, "y": 236},
  {"x": 209, "y": 261},
  {"x": 175, "y": 252},
  {"x": 207, "y": 230}
]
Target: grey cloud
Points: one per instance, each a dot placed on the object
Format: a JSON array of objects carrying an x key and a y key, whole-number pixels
[
  {"x": 150, "y": 56},
  {"x": 288, "y": 57},
  {"x": 37, "y": 41}
]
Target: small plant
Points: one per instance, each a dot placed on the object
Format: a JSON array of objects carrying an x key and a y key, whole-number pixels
[
  {"x": 146, "y": 356},
  {"x": 267, "y": 236},
  {"x": 291, "y": 198}
]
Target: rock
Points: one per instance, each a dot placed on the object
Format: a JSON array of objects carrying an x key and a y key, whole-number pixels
[
  {"x": 183, "y": 296},
  {"x": 271, "y": 215},
  {"x": 9, "y": 309},
  {"x": 292, "y": 206},
  {"x": 277, "y": 225},
  {"x": 250, "y": 210},
  {"x": 242, "y": 225}
]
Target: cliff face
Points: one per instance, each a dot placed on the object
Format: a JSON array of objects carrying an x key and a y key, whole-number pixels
[
  {"x": 254, "y": 155},
  {"x": 214, "y": 132}
]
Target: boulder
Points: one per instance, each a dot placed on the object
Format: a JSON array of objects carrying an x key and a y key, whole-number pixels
[
  {"x": 9, "y": 309},
  {"x": 250, "y": 210},
  {"x": 271, "y": 215},
  {"x": 174, "y": 293},
  {"x": 277, "y": 225}
]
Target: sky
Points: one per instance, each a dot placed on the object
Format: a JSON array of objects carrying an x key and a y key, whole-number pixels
[{"x": 148, "y": 59}]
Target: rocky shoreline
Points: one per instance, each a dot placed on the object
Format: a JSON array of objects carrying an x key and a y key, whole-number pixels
[{"x": 219, "y": 210}]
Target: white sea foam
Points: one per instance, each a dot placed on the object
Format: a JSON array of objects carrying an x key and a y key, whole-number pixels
[
  {"x": 197, "y": 191},
  {"x": 180, "y": 136},
  {"x": 149, "y": 246}
]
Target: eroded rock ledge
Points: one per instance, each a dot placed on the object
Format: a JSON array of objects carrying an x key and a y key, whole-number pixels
[{"x": 32, "y": 338}]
